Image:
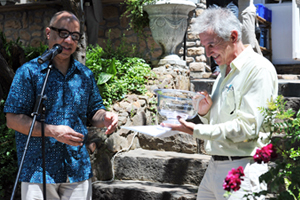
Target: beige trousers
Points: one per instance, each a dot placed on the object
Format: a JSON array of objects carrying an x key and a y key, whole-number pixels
[
  {"x": 211, "y": 186},
  {"x": 59, "y": 191}
]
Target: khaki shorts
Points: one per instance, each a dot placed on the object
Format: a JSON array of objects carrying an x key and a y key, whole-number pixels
[{"x": 59, "y": 191}]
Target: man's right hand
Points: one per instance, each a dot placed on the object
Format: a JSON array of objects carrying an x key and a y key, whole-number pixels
[
  {"x": 61, "y": 133},
  {"x": 205, "y": 104},
  {"x": 64, "y": 134}
]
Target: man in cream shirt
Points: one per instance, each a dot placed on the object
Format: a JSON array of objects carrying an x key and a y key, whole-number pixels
[{"x": 233, "y": 128}]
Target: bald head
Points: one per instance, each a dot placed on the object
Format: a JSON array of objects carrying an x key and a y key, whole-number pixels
[
  {"x": 63, "y": 16},
  {"x": 64, "y": 29}
]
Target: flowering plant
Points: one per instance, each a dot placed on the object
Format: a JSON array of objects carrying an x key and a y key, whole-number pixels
[
  {"x": 233, "y": 179},
  {"x": 265, "y": 154},
  {"x": 283, "y": 177}
]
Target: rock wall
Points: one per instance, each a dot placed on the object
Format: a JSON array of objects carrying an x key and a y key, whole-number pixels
[
  {"x": 28, "y": 23},
  {"x": 195, "y": 52}
]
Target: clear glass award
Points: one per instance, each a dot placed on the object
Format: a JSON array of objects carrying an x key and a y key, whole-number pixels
[{"x": 172, "y": 103}]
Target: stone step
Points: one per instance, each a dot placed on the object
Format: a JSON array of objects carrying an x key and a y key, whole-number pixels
[
  {"x": 161, "y": 166},
  {"x": 183, "y": 143},
  {"x": 288, "y": 76},
  {"x": 288, "y": 85},
  {"x": 142, "y": 190}
]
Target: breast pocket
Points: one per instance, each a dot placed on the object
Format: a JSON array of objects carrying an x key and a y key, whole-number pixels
[{"x": 230, "y": 97}]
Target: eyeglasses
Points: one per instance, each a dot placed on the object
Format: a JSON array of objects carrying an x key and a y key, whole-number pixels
[{"x": 64, "y": 33}]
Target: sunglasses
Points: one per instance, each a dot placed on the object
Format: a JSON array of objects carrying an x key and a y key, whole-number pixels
[{"x": 64, "y": 33}]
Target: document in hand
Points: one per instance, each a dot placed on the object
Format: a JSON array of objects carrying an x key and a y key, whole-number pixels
[{"x": 152, "y": 130}]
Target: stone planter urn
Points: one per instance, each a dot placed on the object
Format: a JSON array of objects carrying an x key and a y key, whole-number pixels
[{"x": 168, "y": 24}]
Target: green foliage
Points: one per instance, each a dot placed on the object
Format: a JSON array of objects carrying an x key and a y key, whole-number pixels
[
  {"x": 138, "y": 17},
  {"x": 7, "y": 46},
  {"x": 8, "y": 155},
  {"x": 33, "y": 52},
  {"x": 29, "y": 51},
  {"x": 119, "y": 52},
  {"x": 116, "y": 78},
  {"x": 283, "y": 176}
]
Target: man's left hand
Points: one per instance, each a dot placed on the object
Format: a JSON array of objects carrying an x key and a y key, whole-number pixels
[
  {"x": 184, "y": 126},
  {"x": 110, "y": 121}
]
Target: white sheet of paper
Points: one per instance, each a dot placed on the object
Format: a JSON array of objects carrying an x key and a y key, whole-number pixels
[{"x": 152, "y": 130}]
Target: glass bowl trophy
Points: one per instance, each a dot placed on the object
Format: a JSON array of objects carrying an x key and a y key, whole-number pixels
[{"x": 172, "y": 103}]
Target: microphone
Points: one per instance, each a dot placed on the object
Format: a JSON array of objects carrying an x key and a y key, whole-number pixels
[{"x": 50, "y": 54}]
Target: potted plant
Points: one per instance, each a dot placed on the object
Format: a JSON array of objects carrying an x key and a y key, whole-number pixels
[
  {"x": 167, "y": 20},
  {"x": 138, "y": 17}
]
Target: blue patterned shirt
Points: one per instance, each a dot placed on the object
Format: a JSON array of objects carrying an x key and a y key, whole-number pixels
[{"x": 71, "y": 100}]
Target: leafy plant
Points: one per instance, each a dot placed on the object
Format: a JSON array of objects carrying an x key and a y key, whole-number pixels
[
  {"x": 29, "y": 51},
  {"x": 119, "y": 52},
  {"x": 283, "y": 176},
  {"x": 8, "y": 155},
  {"x": 33, "y": 52},
  {"x": 7, "y": 47},
  {"x": 138, "y": 17},
  {"x": 116, "y": 78}
]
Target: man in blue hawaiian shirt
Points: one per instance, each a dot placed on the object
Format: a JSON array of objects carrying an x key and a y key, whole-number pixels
[{"x": 72, "y": 99}]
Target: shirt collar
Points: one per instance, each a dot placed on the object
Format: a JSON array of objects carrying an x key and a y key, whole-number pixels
[
  {"x": 241, "y": 59},
  {"x": 71, "y": 69}
]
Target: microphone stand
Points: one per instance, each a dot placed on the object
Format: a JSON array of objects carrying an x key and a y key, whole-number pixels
[{"x": 38, "y": 108}]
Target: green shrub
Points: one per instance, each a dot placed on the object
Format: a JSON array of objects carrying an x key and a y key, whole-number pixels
[
  {"x": 33, "y": 52},
  {"x": 116, "y": 78},
  {"x": 8, "y": 155},
  {"x": 283, "y": 175},
  {"x": 29, "y": 51},
  {"x": 138, "y": 17},
  {"x": 8, "y": 48}
]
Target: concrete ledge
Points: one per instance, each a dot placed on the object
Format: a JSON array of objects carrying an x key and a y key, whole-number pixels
[{"x": 287, "y": 88}]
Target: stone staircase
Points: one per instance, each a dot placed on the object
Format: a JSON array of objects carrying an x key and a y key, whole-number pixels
[
  {"x": 149, "y": 174},
  {"x": 168, "y": 168}
]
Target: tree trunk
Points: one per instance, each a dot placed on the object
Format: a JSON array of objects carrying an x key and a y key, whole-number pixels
[{"x": 75, "y": 6}]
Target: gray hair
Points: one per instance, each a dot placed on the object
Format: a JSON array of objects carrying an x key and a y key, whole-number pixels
[{"x": 219, "y": 20}]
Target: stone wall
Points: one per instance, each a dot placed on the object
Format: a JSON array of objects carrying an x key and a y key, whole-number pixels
[
  {"x": 28, "y": 23},
  {"x": 195, "y": 52},
  {"x": 115, "y": 28}
]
